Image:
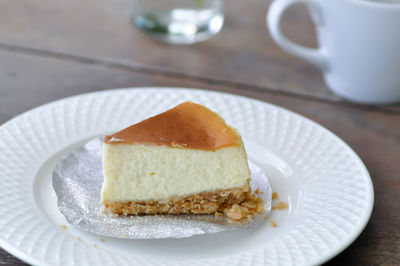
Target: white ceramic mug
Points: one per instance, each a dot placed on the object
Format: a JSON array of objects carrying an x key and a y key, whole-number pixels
[{"x": 359, "y": 46}]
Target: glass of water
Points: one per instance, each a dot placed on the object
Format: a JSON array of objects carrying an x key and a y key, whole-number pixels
[{"x": 178, "y": 21}]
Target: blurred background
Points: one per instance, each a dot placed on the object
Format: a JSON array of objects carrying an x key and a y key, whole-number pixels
[{"x": 54, "y": 48}]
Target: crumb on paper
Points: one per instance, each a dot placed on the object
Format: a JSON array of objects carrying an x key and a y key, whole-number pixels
[
  {"x": 258, "y": 192},
  {"x": 78, "y": 238},
  {"x": 63, "y": 226},
  {"x": 94, "y": 245},
  {"x": 272, "y": 223},
  {"x": 274, "y": 195},
  {"x": 102, "y": 240},
  {"x": 124, "y": 235},
  {"x": 280, "y": 206}
]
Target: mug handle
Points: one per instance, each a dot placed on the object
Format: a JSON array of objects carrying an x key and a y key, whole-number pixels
[{"x": 277, "y": 8}]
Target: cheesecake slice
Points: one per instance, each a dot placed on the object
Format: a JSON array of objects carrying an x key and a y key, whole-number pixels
[{"x": 186, "y": 160}]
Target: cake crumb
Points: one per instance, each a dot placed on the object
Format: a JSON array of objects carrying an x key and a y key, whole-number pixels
[
  {"x": 274, "y": 195},
  {"x": 124, "y": 235},
  {"x": 272, "y": 223},
  {"x": 78, "y": 238},
  {"x": 63, "y": 226},
  {"x": 280, "y": 206},
  {"x": 102, "y": 240},
  {"x": 94, "y": 245},
  {"x": 235, "y": 212}
]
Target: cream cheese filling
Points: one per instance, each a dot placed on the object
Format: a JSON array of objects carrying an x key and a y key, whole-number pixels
[{"x": 135, "y": 172}]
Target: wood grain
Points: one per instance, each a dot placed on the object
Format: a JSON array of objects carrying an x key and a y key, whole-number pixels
[
  {"x": 242, "y": 55},
  {"x": 375, "y": 136},
  {"x": 243, "y": 52}
]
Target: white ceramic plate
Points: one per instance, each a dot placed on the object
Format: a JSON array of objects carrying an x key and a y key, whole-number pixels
[{"x": 327, "y": 187}]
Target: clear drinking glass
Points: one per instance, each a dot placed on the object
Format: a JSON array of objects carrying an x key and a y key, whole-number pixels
[{"x": 178, "y": 21}]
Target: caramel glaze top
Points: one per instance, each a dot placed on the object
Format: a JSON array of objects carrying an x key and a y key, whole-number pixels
[{"x": 188, "y": 125}]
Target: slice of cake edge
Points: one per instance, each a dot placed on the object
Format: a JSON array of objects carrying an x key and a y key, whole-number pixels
[{"x": 197, "y": 192}]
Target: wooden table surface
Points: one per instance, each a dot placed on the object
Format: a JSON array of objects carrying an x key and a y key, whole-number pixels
[{"x": 54, "y": 49}]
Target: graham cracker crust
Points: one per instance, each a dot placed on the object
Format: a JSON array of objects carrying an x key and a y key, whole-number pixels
[{"x": 237, "y": 204}]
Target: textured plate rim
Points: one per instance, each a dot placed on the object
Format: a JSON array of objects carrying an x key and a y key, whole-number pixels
[{"x": 318, "y": 260}]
